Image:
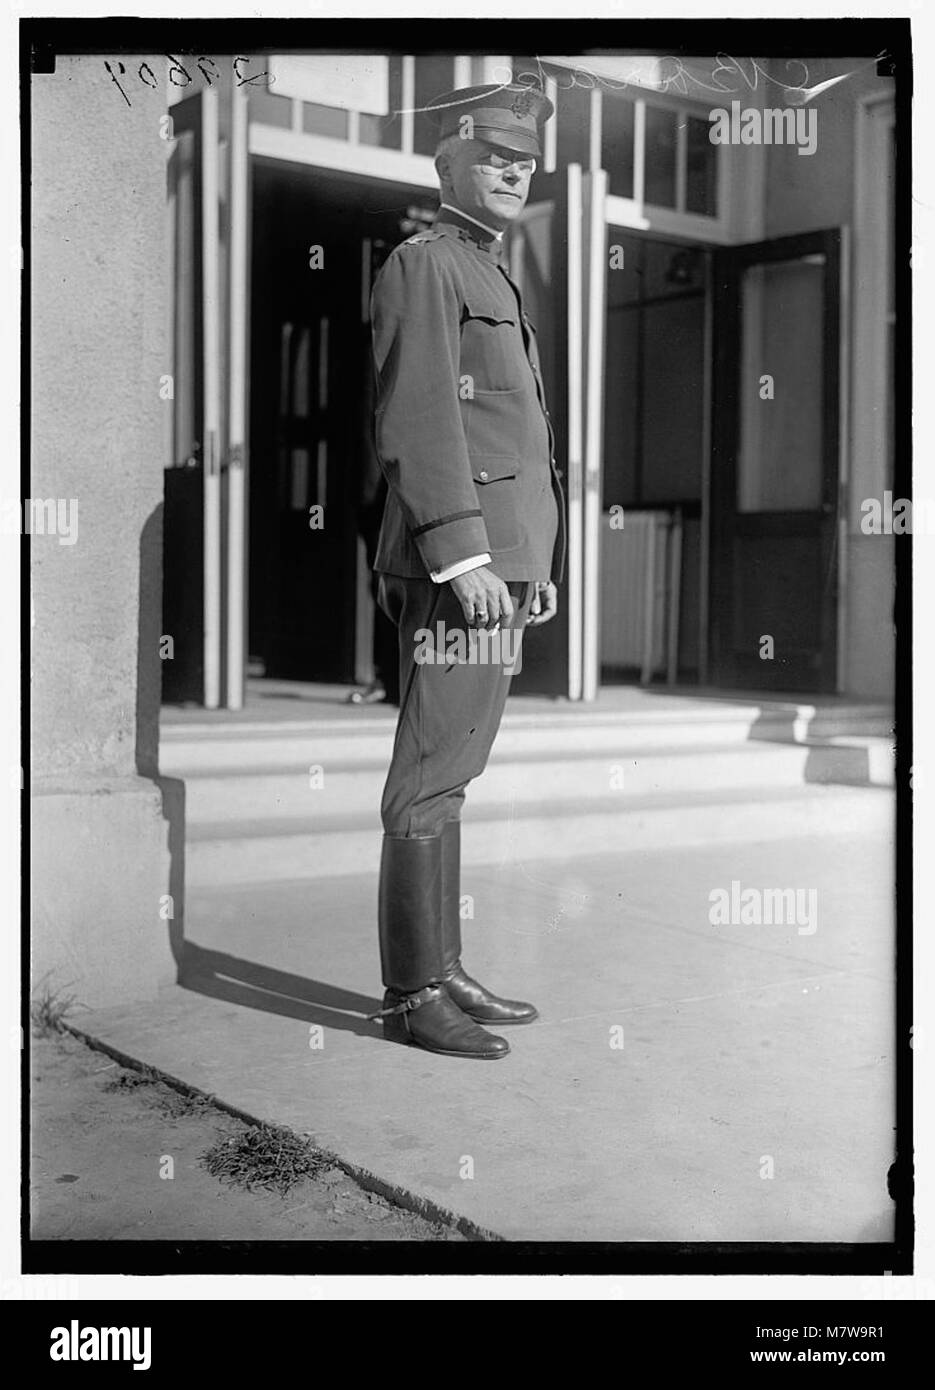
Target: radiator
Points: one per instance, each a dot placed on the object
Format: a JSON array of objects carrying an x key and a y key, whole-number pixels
[{"x": 640, "y": 577}]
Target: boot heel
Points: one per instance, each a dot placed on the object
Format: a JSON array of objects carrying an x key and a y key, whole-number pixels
[{"x": 395, "y": 1029}]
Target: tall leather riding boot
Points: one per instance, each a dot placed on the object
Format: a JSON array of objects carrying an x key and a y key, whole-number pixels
[
  {"x": 417, "y": 1007},
  {"x": 471, "y": 997}
]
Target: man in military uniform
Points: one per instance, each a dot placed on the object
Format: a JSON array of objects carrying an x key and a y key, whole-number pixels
[{"x": 473, "y": 537}]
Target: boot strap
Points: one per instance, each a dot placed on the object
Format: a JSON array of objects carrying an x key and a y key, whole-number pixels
[{"x": 408, "y": 1002}]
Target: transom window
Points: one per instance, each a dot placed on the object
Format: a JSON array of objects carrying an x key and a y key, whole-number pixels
[
  {"x": 374, "y": 100},
  {"x": 655, "y": 148}
]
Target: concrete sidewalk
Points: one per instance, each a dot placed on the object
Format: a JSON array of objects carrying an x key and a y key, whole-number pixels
[{"x": 685, "y": 1082}]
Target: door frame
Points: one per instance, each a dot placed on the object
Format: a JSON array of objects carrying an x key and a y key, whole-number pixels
[
  {"x": 706, "y": 247},
  {"x": 557, "y": 197},
  {"x": 574, "y": 201},
  {"x": 728, "y": 265}
]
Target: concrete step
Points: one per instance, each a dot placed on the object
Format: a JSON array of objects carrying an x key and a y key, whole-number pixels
[
  {"x": 215, "y": 801},
  {"x": 193, "y": 748},
  {"x": 561, "y": 830},
  {"x": 268, "y": 801},
  {"x": 371, "y": 743}
]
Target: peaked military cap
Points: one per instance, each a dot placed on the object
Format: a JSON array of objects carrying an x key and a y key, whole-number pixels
[{"x": 510, "y": 115}]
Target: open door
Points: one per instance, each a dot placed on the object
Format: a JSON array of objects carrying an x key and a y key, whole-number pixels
[
  {"x": 184, "y": 675},
  {"x": 556, "y": 257},
  {"x": 205, "y": 527},
  {"x": 775, "y": 464}
]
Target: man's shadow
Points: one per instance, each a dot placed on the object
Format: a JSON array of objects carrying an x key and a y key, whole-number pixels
[
  {"x": 214, "y": 973},
  {"x": 236, "y": 981}
]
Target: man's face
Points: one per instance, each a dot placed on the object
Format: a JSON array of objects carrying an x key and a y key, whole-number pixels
[{"x": 487, "y": 181}]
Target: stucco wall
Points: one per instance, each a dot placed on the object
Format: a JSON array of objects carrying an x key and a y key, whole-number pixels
[
  {"x": 102, "y": 871},
  {"x": 808, "y": 192},
  {"x": 99, "y": 345}
]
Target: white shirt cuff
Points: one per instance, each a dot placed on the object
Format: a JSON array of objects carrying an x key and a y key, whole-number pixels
[{"x": 473, "y": 562}]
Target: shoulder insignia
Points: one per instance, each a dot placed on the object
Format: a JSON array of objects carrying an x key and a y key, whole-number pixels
[{"x": 421, "y": 237}]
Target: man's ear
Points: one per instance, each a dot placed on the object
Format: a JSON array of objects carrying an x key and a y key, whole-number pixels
[{"x": 443, "y": 167}]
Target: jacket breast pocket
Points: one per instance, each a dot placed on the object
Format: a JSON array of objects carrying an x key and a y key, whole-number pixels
[
  {"x": 497, "y": 485},
  {"x": 491, "y": 347}
]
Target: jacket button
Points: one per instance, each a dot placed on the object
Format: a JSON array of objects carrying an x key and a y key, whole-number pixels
[{"x": 483, "y": 475}]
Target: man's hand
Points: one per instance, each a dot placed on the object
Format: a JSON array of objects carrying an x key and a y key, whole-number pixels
[
  {"x": 544, "y": 604},
  {"x": 484, "y": 598}
]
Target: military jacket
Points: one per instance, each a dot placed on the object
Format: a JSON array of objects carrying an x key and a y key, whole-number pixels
[{"x": 461, "y": 428}]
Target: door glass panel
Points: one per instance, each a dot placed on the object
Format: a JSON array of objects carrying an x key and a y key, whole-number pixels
[
  {"x": 533, "y": 242},
  {"x": 672, "y": 400},
  {"x": 654, "y": 372},
  {"x": 617, "y": 144},
  {"x": 573, "y": 125},
  {"x": 300, "y": 371},
  {"x": 324, "y": 120},
  {"x": 434, "y": 74},
  {"x": 386, "y": 130},
  {"x": 184, "y": 193},
  {"x": 779, "y": 464},
  {"x": 530, "y": 251},
  {"x": 701, "y": 170},
  {"x": 266, "y": 108},
  {"x": 298, "y": 492},
  {"x": 660, "y": 156}
]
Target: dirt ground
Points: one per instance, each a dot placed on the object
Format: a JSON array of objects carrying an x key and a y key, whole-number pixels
[{"x": 118, "y": 1155}]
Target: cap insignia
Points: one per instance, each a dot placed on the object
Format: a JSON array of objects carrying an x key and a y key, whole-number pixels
[{"x": 523, "y": 103}]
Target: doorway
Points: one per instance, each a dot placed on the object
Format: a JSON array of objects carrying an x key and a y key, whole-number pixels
[
  {"x": 314, "y": 495},
  {"x": 721, "y": 455}
]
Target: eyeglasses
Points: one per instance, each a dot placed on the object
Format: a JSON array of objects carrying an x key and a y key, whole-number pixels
[{"x": 494, "y": 163}]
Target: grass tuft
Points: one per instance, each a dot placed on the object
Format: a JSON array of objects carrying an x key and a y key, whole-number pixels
[
  {"x": 264, "y": 1157},
  {"x": 179, "y": 1105},
  {"x": 129, "y": 1080},
  {"x": 49, "y": 1008}
]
